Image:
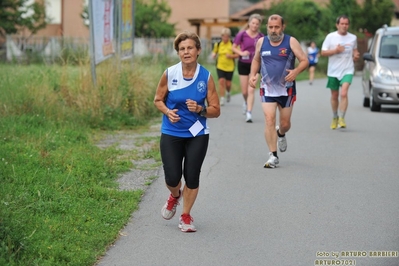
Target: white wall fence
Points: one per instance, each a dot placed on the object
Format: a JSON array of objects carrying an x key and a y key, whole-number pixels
[
  {"x": 19, "y": 48},
  {"x": 51, "y": 48}
]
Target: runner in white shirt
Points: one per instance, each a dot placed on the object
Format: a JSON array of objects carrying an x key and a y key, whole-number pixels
[{"x": 341, "y": 48}]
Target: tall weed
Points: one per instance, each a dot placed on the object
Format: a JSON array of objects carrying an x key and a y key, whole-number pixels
[{"x": 122, "y": 98}]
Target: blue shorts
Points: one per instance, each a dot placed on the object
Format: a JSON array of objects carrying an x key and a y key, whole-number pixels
[{"x": 283, "y": 101}]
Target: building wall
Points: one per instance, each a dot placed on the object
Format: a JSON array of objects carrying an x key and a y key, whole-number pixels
[
  {"x": 72, "y": 23},
  {"x": 182, "y": 10},
  {"x": 50, "y": 30},
  {"x": 69, "y": 22},
  {"x": 53, "y": 12}
]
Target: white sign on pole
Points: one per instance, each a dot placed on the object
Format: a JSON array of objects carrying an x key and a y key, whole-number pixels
[{"x": 103, "y": 29}]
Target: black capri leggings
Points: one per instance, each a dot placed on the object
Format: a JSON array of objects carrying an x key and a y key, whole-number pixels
[{"x": 174, "y": 150}]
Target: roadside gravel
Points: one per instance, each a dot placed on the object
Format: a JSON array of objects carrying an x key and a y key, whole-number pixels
[{"x": 144, "y": 170}]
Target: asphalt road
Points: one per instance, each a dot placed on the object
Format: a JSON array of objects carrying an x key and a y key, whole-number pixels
[{"x": 335, "y": 193}]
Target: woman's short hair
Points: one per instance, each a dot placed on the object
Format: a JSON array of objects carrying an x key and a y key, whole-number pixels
[
  {"x": 184, "y": 36},
  {"x": 225, "y": 31}
]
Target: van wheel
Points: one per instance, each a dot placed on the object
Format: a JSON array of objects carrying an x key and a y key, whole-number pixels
[
  {"x": 374, "y": 107},
  {"x": 366, "y": 102}
]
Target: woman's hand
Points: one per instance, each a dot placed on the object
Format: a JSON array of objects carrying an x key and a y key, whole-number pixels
[
  {"x": 193, "y": 106},
  {"x": 172, "y": 115}
]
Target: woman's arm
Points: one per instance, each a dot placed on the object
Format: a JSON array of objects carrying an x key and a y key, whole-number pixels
[{"x": 212, "y": 98}]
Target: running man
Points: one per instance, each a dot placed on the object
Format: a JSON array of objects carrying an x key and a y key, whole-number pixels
[
  {"x": 341, "y": 48},
  {"x": 275, "y": 56}
]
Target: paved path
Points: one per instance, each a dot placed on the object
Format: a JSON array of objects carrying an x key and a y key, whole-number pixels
[{"x": 334, "y": 191}]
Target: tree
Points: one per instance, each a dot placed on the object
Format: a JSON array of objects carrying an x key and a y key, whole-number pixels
[
  {"x": 18, "y": 15},
  {"x": 371, "y": 15},
  {"x": 151, "y": 19},
  {"x": 350, "y": 8},
  {"x": 308, "y": 21},
  {"x": 302, "y": 18},
  {"x": 374, "y": 14},
  {"x": 85, "y": 16}
]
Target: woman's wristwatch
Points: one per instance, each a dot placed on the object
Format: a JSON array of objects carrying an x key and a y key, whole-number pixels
[{"x": 203, "y": 111}]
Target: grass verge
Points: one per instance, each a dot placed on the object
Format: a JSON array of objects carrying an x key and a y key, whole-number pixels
[{"x": 60, "y": 203}]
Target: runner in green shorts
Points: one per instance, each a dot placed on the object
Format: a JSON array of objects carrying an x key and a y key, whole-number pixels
[
  {"x": 341, "y": 48},
  {"x": 334, "y": 83}
]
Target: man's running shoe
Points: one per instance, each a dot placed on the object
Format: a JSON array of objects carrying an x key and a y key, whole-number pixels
[
  {"x": 334, "y": 123},
  {"x": 228, "y": 97},
  {"x": 244, "y": 108},
  {"x": 341, "y": 122},
  {"x": 221, "y": 101},
  {"x": 272, "y": 162},
  {"x": 169, "y": 209},
  {"x": 281, "y": 141},
  {"x": 249, "y": 118},
  {"x": 186, "y": 223}
]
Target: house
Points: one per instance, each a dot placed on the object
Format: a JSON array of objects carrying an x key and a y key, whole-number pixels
[{"x": 65, "y": 18}]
